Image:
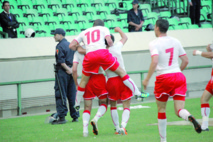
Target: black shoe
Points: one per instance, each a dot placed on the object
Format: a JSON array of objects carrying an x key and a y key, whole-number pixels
[
  {"x": 207, "y": 129},
  {"x": 61, "y": 120},
  {"x": 199, "y": 25},
  {"x": 75, "y": 120},
  {"x": 195, "y": 123}
]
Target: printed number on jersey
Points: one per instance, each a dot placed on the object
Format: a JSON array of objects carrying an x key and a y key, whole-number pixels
[
  {"x": 93, "y": 36},
  {"x": 171, "y": 51}
]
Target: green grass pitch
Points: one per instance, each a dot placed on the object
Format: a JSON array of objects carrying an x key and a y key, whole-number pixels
[{"x": 33, "y": 128}]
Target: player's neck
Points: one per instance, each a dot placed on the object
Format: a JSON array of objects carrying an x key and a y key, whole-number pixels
[{"x": 162, "y": 35}]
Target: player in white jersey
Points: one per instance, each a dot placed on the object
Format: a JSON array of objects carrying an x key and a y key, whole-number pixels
[
  {"x": 170, "y": 82},
  {"x": 208, "y": 92},
  {"x": 116, "y": 88},
  {"x": 97, "y": 56},
  {"x": 95, "y": 87}
]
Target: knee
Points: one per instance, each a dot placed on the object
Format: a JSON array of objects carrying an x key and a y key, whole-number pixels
[{"x": 103, "y": 101}]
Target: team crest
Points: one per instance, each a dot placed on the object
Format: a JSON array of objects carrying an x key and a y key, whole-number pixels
[{"x": 57, "y": 51}]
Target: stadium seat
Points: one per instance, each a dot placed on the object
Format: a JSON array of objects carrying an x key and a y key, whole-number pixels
[
  {"x": 165, "y": 14},
  {"x": 61, "y": 11},
  {"x": 193, "y": 26},
  {"x": 203, "y": 15},
  {"x": 207, "y": 6},
  {"x": 31, "y": 12},
  {"x": 23, "y": 21},
  {"x": 89, "y": 10},
  {"x": 173, "y": 22},
  {"x": 17, "y": 12},
  {"x": 153, "y": 16},
  {"x": 146, "y": 8},
  {"x": 185, "y": 20},
  {"x": 68, "y": 4},
  {"x": 122, "y": 17},
  {"x": 206, "y": 26}
]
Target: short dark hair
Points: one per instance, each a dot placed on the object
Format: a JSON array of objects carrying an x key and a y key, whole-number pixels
[
  {"x": 112, "y": 37},
  {"x": 163, "y": 25},
  {"x": 4, "y": 3},
  {"x": 98, "y": 22}
]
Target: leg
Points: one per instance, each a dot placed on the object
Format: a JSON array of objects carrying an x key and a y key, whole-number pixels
[
  {"x": 81, "y": 90},
  {"x": 162, "y": 121},
  {"x": 71, "y": 94},
  {"x": 205, "y": 109},
  {"x": 60, "y": 95},
  {"x": 86, "y": 116},
  {"x": 179, "y": 103},
  {"x": 101, "y": 111},
  {"x": 125, "y": 116},
  {"x": 197, "y": 14},
  {"x": 127, "y": 80},
  {"x": 114, "y": 115},
  {"x": 192, "y": 14}
]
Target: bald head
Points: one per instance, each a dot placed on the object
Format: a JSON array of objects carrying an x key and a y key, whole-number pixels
[{"x": 98, "y": 22}]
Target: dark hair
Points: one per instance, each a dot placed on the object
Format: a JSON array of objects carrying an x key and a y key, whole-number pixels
[
  {"x": 112, "y": 37},
  {"x": 98, "y": 22},
  {"x": 163, "y": 25},
  {"x": 4, "y": 3}
]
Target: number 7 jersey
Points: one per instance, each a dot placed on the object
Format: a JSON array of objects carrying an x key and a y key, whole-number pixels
[
  {"x": 168, "y": 50},
  {"x": 93, "y": 38}
]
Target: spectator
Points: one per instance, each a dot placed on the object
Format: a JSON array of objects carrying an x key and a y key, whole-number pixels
[
  {"x": 8, "y": 21},
  {"x": 195, "y": 11},
  {"x": 135, "y": 18}
]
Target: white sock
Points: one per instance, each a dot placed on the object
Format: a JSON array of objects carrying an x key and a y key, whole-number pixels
[
  {"x": 86, "y": 117},
  {"x": 101, "y": 111},
  {"x": 162, "y": 122},
  {"x": 129, "y": 83},
  {"x": 205, "y": 112},
  {"x": 183, "y": 113},
  {"x": 125, "y": 117},
  {"x": 79, "y": 96},
  {"x": 115, "y": 118}
]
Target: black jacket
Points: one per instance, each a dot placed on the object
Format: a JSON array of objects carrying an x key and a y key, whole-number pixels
[
  {"x": 137, "y": 19},
  {"x": 7, "y": 22}
]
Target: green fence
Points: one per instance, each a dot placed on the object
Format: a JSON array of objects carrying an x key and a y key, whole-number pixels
[{"x": 19, "y": 83}]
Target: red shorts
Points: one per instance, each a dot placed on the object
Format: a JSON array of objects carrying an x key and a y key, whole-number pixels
[
  {"x": 117, "y": 90},
  {"x": 93, "y": 60},
  {"x": 96, "y": 87},
  {"x": 209, "y": 86},
  {"x": 170, "y": 85}
]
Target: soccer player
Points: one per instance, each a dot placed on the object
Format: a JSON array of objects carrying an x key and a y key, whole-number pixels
[
  {"x": 97, "y": 55},
  {"x": 170, "y": 81},
  {"x": 208, "y": 92},
  {"x": 116, "y": 88},
  {"x": 95, "y": 87}
]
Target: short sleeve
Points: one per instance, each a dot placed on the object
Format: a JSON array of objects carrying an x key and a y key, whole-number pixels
[
  {"x": 75, "y": 58},
  {"x": 60, "y": 54},
  {"x": 106, "y": 32},
  {"x": 79, "y": 38},
  {"x": 153, "y": 50},
  {"x": 182, "y": 52}
]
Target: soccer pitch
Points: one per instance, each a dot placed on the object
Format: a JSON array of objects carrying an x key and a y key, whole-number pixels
[{"x": 33, "y": 128}]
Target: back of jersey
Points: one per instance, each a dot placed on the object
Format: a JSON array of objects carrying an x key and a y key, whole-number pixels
[
  {"x": 93, "y": 38},
  {"x": 168, "y": 50}
]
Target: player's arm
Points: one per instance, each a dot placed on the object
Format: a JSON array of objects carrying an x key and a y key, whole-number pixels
[
  {"x": 124, "y": 38},
  {"x": 74, "y": 73},
  {"x": 81, "y": 50},
  {"x": 184, "y": 62},
  {"x": 109, "y": 41},
  {"x": 209, "y": 47},
  {"x": 152, "y": 68},
  {"x": 203, "y": 54},
  {"x": 73, "y": 45}
]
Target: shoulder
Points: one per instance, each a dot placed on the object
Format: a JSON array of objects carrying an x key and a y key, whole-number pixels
[
  {"x": 130, "y": 11},
  {"x": 154, "y": 42}
]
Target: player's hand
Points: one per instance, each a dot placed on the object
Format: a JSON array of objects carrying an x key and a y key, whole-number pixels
[
  {"x": 208, "y": 48},
  {"x": 194, "y": 52},
  {"x": 145, "y": 83},
  {"x": 117, "y": 29},
  {"x": 190, "y": 4}
]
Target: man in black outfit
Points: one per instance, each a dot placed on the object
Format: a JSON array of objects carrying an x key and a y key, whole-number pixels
[
  {"x": 8, "y": 21},
  {"x": 135, "y": 18},
  {"x": 64, "y": 84},
  {"x": 195, "y": 11}
]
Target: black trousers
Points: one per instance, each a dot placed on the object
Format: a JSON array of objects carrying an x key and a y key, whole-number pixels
[
  {"x": 68, "y": 91},
  {"x": 195, "y": 13}
]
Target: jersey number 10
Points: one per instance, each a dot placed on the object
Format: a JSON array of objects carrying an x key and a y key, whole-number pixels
[
  {"x": 94, "y": 36},
  {"x": 171, "y": 51}
]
